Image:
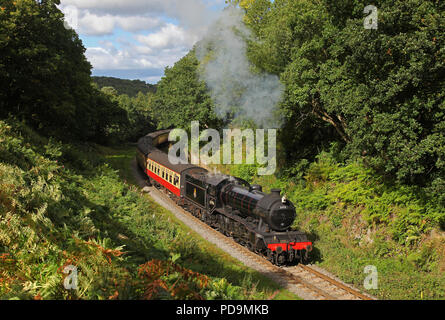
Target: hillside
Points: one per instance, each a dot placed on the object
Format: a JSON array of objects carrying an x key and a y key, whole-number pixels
[
  {"x": 360, "y": 149},
  {"x": 66, "y": 207},
  {"x": 124, "y": 86},
  {"x": 356, "y": 220},
  {"x": 63, "y": 205}
]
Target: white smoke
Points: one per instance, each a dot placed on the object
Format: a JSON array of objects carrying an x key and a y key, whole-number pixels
[{"x": 235, "y": 89}]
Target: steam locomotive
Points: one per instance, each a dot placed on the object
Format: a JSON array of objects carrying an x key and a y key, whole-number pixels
[{"x": 257, "y": 220}]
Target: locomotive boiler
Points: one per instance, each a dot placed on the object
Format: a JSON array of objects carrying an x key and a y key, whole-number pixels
[{"x": 273, "y": 209}]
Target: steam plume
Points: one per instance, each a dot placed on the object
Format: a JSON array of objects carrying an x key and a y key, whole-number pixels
[{"x": 235, "y": 89}]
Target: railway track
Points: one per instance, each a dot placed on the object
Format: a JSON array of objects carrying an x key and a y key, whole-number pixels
[
  {"x": 302, "y": 280},
  {"x": 326, "y": 287}
]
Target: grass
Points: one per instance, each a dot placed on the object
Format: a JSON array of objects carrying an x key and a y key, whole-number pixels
[{"x": 67, "y": 205}]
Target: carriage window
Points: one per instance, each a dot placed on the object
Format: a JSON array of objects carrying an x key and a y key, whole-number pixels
[
  {"x": 170, "y": 178},
  {"x": 176, "y": 181}
]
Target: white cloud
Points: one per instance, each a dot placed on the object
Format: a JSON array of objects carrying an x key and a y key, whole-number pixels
[
  {"x": 190, "y": 13},
  {"x": 133, "y": 57},
  {"x": 138, "y": 23},
  {"x": 169, "y": 36},
  {"x": 92, "y": 24},
  {"x": 155, "y": 41}
]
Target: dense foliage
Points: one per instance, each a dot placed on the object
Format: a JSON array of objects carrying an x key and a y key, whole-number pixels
[
  {"x": 377, "y": 93},
  {"x": 355, "y": 220},
  {"x": 63, "y": 205},
  {"x": 381, "y": 91},
  {"x": 182, "y": 97},
  {"x": 364, "y": 137},
  {"x": 123, "y": 86},
  {"x": 374, "y": 99},
  {"x": 139, "y": 115}
]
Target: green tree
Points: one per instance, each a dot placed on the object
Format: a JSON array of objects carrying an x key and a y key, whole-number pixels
[
  {"x": 139, "y": 110},
  {"x": 124, "y": 86},
  {"x": 181, "y": 97},
  {"x": 109, "y": 91},
  {"x": 45, "y": 77},
  {"x": 381, "y": 91}
]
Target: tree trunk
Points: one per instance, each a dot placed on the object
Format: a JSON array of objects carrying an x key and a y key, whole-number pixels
[{"x": 338, "y": 122}]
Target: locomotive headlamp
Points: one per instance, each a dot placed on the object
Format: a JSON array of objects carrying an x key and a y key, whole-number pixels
[{"x": 284, "y": 200}]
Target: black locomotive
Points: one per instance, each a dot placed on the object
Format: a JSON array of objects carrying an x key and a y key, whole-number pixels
[{"x": 253, "y": 218}]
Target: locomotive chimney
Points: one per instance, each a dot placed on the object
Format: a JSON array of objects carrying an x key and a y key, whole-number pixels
[{"x": 256, "y": 187}]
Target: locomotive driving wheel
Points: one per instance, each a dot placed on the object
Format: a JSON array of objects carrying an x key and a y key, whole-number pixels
[
  {"x": 270, "y": 255},
  {"x": 280, "y": 259}
]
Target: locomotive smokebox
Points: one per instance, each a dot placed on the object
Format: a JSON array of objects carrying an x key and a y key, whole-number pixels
[{"x": 278, "y": 215}]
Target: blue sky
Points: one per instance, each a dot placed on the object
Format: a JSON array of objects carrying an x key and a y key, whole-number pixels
[{"x": 137, "y": 39}]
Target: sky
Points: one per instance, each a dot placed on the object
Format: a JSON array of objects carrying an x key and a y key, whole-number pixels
[{"x": 137, "y": 39}]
